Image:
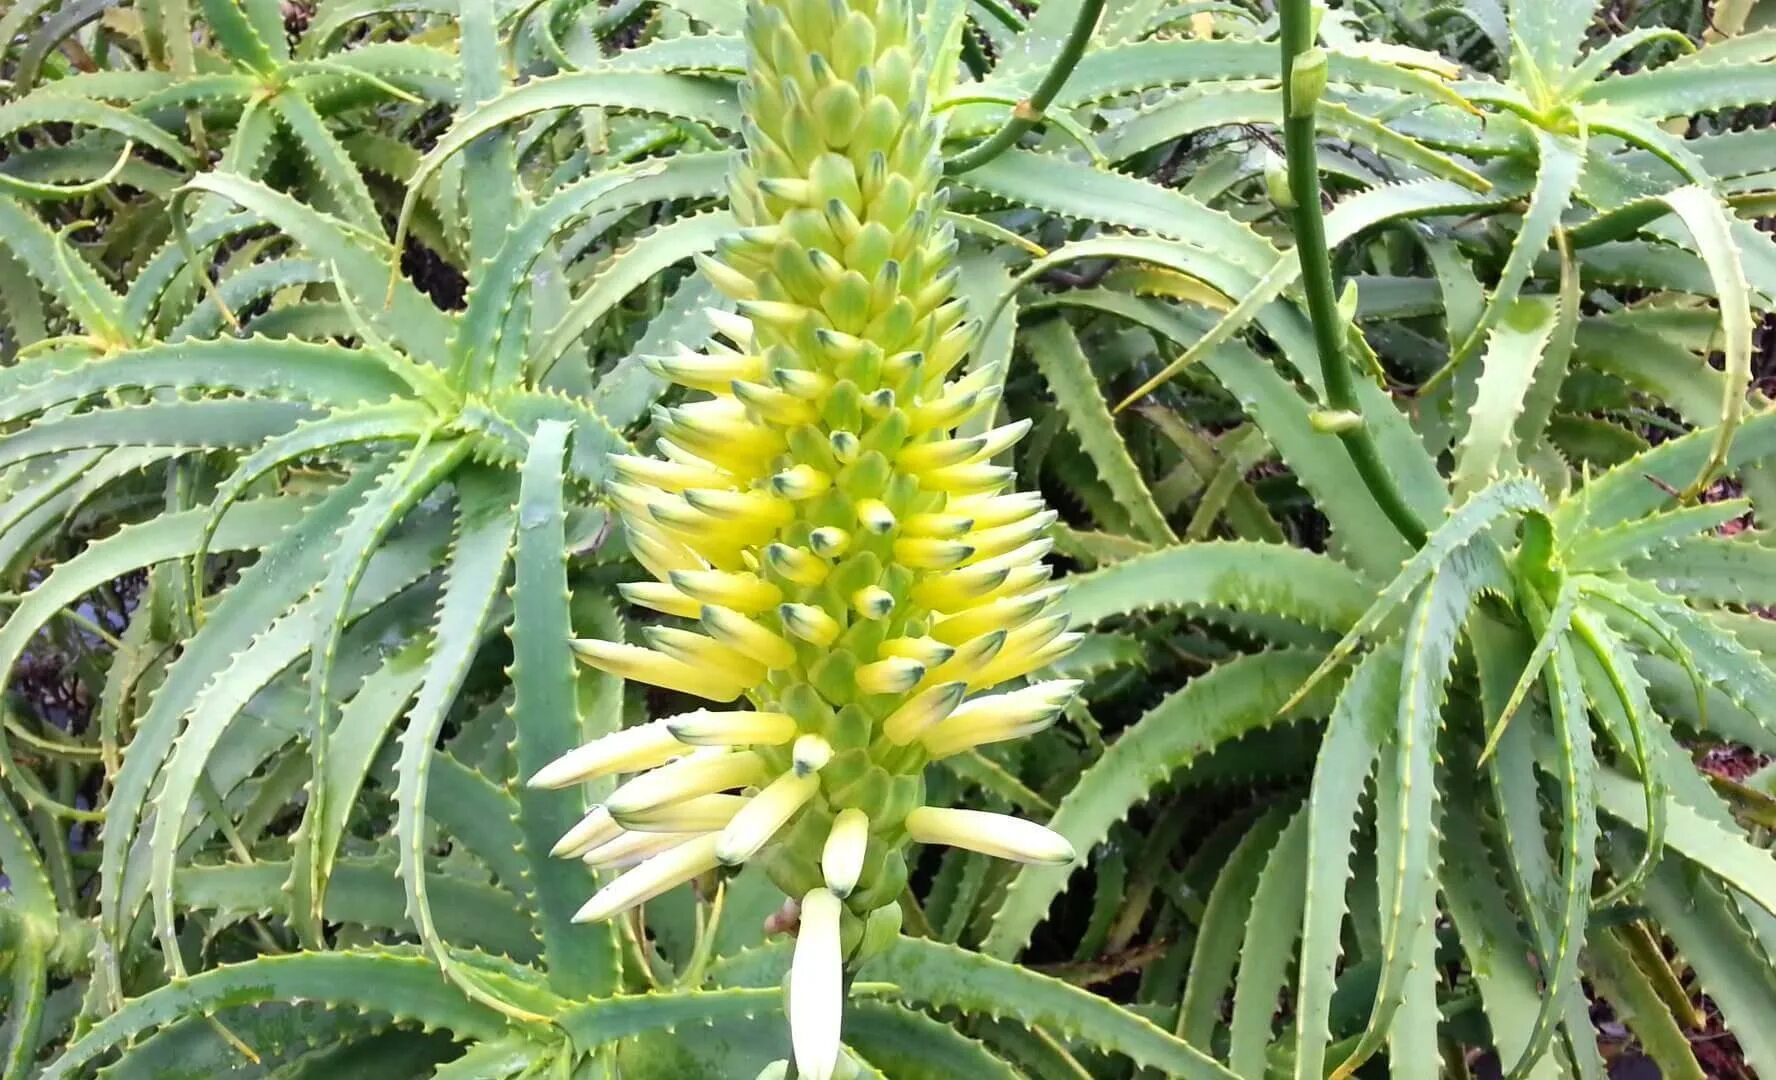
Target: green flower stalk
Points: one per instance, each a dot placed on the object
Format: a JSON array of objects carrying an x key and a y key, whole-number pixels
[{"x": 838, "y": 557}]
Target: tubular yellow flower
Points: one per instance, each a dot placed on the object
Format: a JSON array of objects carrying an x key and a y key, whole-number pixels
[
  {"x": 655, "y": 669},
  {"x": 905, "y": 723},
  {"x": 839, "y": 555},
  {"x": 705, "y": 728}
]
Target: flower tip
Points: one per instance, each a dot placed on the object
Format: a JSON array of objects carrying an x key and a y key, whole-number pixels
[
  {"x": 596, "y": 828},
  {"x": 596, "y": 909},
  {"x": 811, "y": 754},
  {"x": 550, "y": 777}
]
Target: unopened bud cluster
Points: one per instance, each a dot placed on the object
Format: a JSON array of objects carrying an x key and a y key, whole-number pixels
[{"x": 830, "y": 554}]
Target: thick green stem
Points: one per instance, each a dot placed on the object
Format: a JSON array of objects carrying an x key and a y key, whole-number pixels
[
  {"x": 1029, "y": 112},
  {"x": 1297, "y": 37}
]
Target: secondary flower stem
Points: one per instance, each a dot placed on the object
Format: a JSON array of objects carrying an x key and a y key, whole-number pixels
[
  {"x": 1029, "y": 112},
  {"x": 1297, "y": 37}
]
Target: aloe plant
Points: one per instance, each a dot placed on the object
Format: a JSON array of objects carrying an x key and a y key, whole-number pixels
[{"x": 1408, "y": 540}]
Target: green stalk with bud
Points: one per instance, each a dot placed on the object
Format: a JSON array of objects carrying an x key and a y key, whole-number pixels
[{"x": 837, "y": 559}]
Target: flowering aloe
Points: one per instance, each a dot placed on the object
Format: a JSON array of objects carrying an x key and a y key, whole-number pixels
[{"x": 846, "y": 563}]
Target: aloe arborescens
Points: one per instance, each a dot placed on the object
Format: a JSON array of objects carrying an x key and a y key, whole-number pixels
[{"x": 854, "y": 570}]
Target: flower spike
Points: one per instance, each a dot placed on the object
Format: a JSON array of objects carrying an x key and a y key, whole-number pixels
[{"x": 824, "y": 546}]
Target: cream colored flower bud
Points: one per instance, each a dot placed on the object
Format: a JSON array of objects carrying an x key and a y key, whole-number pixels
[
  {"x": 657, "y": 874},
  {"x": 990, "y": 543},
  {"x": 597, "y": 827},
  {"x": 920, "y": 553},
  {"x": 706, "y": 654},
  {"x": 816, "y": 987},
  {"x": 763, "y": 815},
  {"x": 975, "y": 479},
  {"x": 633, "y": 848},
  {"x": 927, "y": 651},
  {"x": 705, "y": 813},
  {"x": 1002, "y": 614},
  {"x": 668, "y": 475},
  {"x": 703, "y": 773},
  {"x": 998, "y": 717},
  {"x": 841, "y": 860},
  {"x": 829, "y": 541},
  {"x": 746, "y": 508},
  {"x": 810, "y": 754},
  {"x": 999, "y": 835},
  {"x": 628, "y": 750},
  {"x": 661, "y": 597},
  {"x": 937, "y": 526},
  {"x": 922, "y": 457},
  {"x": 988, "y": 511}
]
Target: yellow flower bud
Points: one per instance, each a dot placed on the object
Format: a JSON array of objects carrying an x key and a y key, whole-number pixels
[
  {"x": 655, "y": 669},
  {"x": 873, "y": 602},
  {"x": 741, "y": 727},
  {"x": 745, "y": 636},
  {"x": 809, "y": 623},
  {"x": 895, "y": 675}
]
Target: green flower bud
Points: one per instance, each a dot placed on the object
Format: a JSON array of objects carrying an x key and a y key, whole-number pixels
[{"x": 1307, "y": 81}]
